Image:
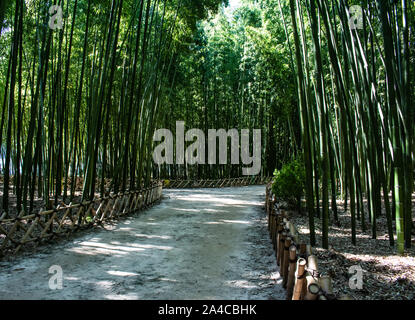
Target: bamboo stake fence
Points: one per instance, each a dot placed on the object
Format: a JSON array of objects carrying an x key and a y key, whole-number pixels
[
  {"x": 18, "y": 232},
  {"x": 219, "y": 183},
  {"x": 298, "y": 265}
]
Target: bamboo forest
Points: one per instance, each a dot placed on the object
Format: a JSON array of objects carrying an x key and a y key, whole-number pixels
[{"x": 207, "y": 150}]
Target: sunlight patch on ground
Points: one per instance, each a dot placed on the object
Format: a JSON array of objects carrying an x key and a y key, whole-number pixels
[
  {"x": 122, "y": 297},
  {"x": 124, "y": 229},
  {"x": 105, "y": 284},
  {"x": 122, "y": 273},
  {"x": 215, "y": 200},
  {"x": 241, "y": 284},
  {"x": 149, "y": 236},
  {"x": 164, "y": 254},
  {"x": 187, "y": 210},
  {"x": 213, "y": 210},
  {"x": 386, "y": 275},
  {"x": 168, "y": 280},
  {"x": 228, "y": 222},
  {"x": 95, "y": 251},
  {"x": 237, "y": 221},
  {"x": 111, "y": 247},
  {"x": 151, "y": 246}
]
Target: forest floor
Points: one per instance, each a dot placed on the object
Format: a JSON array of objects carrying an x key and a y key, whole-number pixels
[
  {"x": 386, "y": 276},
  {"x": 196, "y": 244}
]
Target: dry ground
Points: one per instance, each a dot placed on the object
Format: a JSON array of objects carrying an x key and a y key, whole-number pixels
[
  {"x": 196, "y": 244},
  {"x": 387, "y": 276}
]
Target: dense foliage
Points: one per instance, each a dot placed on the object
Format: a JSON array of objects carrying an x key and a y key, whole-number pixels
[
  {"x": 288, "y": 184},
  {"x": 82, "y": 101},
  {"x": 354, "y": 68},
  {"x": 236, "y": 75}
]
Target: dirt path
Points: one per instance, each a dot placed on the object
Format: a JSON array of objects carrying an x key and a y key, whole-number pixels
[{"x": 196, "y": 244}]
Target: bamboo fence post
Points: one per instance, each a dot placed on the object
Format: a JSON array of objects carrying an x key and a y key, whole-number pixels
[
  {"x": 300, "y": 279},
  {"x": 276, "y": 234},
  {"x": 266, "y": 203},
  {"x": 293, "y": 231},
  {"x": 281, "y": 249},
  {"x": 291, "y": 271},
  {"x": 286, "y": 261},
  {"x": 279, "y": 237},
  {"x": 313, "y": 287},
  {"x": 313, "y": 290},
  {"x": 299, "y": 273},
  {"x": 275, "y": 229}
]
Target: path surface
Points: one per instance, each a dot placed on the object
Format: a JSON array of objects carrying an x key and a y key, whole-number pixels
[{"x": 196, "y": 244}]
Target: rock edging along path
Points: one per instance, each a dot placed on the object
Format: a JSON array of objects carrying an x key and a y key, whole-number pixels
[{"x": 196, "y": 244}]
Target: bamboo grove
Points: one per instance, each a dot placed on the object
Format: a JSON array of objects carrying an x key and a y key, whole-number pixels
[
  {"x": 330, "y": 81},
  {"x": 236, "y": 74},
  {"x": 350, "y": 115},
  {"x": 81, "y": 101},
  {"x": 355, "y": 89}
]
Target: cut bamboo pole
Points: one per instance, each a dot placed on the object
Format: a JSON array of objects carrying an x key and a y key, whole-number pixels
[
  {"x": 312, "y": 276},
  {"x": 281, "y": 248},
  {"x": 279, "y": 237},
  {"x": 272, "y": 226},
  {"x": 275, "y": 233},
  {"x": 286, "y": 261},
  {"x": 300, "y": 279},
  {"x": 313, "y": 290},
  {"x": 291, "y": 271},
  {"x": 293, "y": 231},
  {"x": 312, "y": 263},
  {"x": 298, "y": 270},
  {"x": 278, "y": 229}
]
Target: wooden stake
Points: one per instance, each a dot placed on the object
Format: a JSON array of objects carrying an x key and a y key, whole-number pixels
[
  {"x": 291, "y": 272},
  {"x": 300, "y": 279},
  {"x": 286, "y": 261},
  {"x": 312, "y": 292},
  {"x": 312, "y": 276},
  {"x": 281, "y": 248}
]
